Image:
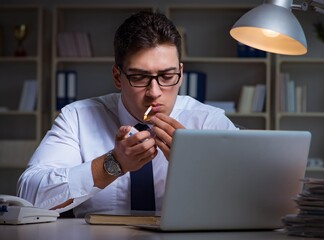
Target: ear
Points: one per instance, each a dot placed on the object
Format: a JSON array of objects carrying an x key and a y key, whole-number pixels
[
  {"x": 116, "y": 76},
  {"x": 181, "y": 71}
]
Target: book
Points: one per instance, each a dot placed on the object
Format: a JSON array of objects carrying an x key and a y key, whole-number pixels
[
  {"x": 123, "y": 218},
  {"x": 246, "y": 98},
  {"x": 291, "y": 96},
  {"x": 258, "y": 98},
  {"x": 283, "y": 78},
  {"x": 28, "y": 96},
  {"x": 83, "y": 43}
]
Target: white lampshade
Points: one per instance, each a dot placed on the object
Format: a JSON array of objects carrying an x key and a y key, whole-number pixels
[{"x": 271, "y": 27}]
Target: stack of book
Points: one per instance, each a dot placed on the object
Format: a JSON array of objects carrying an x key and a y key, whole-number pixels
[
  {"x": 74, "y": 44},
  {"x": 309, "y": 221},
  {"x": 292, "y": 96},
  {"x": 252, "y": 98}
]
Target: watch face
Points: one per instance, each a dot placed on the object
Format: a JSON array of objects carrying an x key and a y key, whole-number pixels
[{"x": 111, "y": 166}]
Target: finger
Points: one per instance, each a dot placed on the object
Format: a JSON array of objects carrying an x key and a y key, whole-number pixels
[
  {"x": 166, "y": 123},
  {"x": 163, "y": 136},
  {"x": 140, "y": 149},
  {"x": 160, "y": 124},
  {"x": 139, "y": 137},
  {"x": 163, "y": 147},
  {"x": 144, "y": 158}
]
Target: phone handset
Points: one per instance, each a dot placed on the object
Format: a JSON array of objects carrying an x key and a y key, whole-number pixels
[
  {"x": 15, "y": 210},
  {"x": 13, "y": 200}
]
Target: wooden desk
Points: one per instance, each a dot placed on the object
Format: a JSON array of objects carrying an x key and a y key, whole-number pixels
[{"x": 70, "y": 229}]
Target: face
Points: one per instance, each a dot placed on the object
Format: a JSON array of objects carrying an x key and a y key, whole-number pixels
[{"x": 152, "y": 61}]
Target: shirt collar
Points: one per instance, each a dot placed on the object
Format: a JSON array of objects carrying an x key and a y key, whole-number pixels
[{"x": 124, "y": 116}]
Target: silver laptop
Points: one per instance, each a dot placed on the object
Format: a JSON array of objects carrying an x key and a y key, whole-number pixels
[{"x": 232, "y": 180}]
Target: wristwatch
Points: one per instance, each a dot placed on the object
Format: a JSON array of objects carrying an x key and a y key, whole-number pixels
[{"x": 112, "y": 166}]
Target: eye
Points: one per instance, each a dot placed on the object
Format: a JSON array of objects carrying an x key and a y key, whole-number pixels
[
  {"x": 167, "y": 76},
  {"x": 136, "y": 77}
]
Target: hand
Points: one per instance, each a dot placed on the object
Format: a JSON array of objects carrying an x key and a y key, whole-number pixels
[
  {"x": 135, "y": 151},
  {"x": 164, "y": 127}
]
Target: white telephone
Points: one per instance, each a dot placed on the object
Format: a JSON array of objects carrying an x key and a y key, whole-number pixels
[{"x": 15, "y": 210}]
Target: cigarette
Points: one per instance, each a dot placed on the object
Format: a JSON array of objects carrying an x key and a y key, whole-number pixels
[{"x": 146, "y": 113}]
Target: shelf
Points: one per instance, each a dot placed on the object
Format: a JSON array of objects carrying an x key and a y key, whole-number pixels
[
  {"x": 301, "y": 60},
  {"x": 303, "y": 114},
  {"x": 315, "y": 169},
  {"x": 85, "y": 60},
  {"x": 225, "y": 60},
  {"x": 261, "y": 115},
  {"x": 17, "y": 113},
  {"x": 19, "y": 59}
]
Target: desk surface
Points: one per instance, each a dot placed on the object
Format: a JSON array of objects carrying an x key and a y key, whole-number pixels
[{"x": 78, "y": 229}]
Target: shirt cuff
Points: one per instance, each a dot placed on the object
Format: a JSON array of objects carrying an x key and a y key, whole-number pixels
[{"x": 80, "y": 180}]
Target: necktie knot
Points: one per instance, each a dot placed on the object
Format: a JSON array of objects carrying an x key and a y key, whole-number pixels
[{"x": 141, "y": 127}]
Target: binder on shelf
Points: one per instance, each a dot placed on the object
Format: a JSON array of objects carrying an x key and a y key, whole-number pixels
[
  {"x": 66, "y": 88},
  {"x": 194, "y": 85},
  {"x": 28, "y": 96}
]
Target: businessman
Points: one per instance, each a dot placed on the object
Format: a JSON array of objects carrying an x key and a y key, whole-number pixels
[{"x": 87, "y": 159}]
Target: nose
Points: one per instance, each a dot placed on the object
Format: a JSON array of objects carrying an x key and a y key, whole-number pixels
[{"x": 153, "y": 90}]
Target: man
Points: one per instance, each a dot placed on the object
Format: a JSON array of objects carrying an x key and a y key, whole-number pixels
[{"x": 67, "y": 170}]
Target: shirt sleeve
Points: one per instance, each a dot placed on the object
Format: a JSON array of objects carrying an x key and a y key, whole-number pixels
[{"x": 56, "y": 172}]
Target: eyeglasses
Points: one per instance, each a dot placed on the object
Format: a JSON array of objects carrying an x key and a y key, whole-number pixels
[{"x": 143, "y": 80}]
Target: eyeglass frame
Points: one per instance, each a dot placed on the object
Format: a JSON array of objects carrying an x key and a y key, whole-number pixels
[{"x": 156, "y": 77}]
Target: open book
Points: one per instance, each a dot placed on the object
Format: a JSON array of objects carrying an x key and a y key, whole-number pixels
[{"x": 123, "y": 217}]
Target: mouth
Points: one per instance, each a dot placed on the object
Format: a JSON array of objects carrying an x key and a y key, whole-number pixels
[{"x": 151, "y": 110}]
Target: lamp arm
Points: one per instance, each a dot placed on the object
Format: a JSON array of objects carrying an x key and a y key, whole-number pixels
[{"x": 316, "y": 5}]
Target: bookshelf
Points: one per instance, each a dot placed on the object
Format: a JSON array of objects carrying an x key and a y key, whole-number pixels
[
  {"x": 211, "y": 49},
  {"x": 20, "y": 131},
  {"x": 308, "y": 71},
  {"x": 93, "y": 72}
]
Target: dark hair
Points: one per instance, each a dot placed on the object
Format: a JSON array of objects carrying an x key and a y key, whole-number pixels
[{"x": 144, "y": 30}]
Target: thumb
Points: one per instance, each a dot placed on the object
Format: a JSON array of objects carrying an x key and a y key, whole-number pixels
[{"x": 122, "y": 131}]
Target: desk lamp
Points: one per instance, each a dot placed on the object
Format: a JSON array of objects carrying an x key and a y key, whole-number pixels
[{"x": 273, "y": 28}]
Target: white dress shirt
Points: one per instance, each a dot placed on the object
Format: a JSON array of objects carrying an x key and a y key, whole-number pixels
[{"x": 60, "y": 168}]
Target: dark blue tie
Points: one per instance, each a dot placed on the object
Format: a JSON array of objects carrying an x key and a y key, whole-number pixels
[{"x": 142, "y": 184}]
